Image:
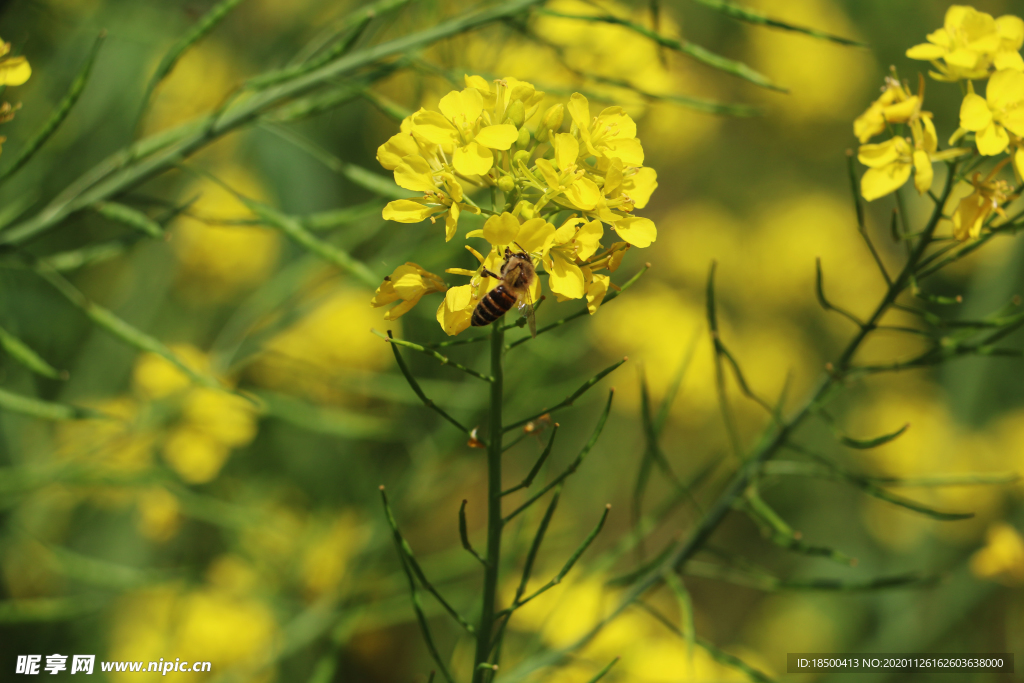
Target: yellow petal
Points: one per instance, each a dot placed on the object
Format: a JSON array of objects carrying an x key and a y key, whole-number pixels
[
  {"x": 644, "y": 183},
  {"x": 472, "y": 159},
  {"x": 407, "y": 211},
  {"x": 501, "y": 230},
  {"x": 992, "y": 140},
  {"x": 588, "y": 239},
  {"x": 434, "y": 127},
  {"x": 1009, "y": 59},
  {"x": 398, "y": 146},
  {"x": 463, "y": 107},
  {"x": 564, "y": 278},
  {"x": 14, "y": 71},
  {"x": 579, "y": 110},
  {"x": 550, "y": 175},
  {"x": 883, "y": 153},
  {"x": 403, "y": 308},
  {"x": 1013, "y": 120},
  {"x": 640, "y": 232},
  {"x": 497, "y": 137},
  {"x": 413, "y": 173},
  {"x": 455, "y": 311},
  {"x": 923, "y": 172},
  {"x": 974, "y": 113},
  {"x": 878, "y": 182},
  {"x": 567, "y": 150},
  {"x": 536, "y": 236},
  {"x": 597, "y": 288},
  {"x": 1018, "y": 162},
  {"x": 1005, "y": 88},
  {"x": 584, "y": 194},
  {"x": 451, "y": 222},
  {"x": 870, "y": 123},
  {"x": 969, "y": 216},
  {"x": 901, "y": 112},
  {"x": 926, "y": 51},
  {"x": 629, "y": 150},
  {"x": 1011, "y": 31}
]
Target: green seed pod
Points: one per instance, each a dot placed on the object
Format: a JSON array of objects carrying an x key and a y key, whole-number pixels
[
  {"x": 524, "y": 139},
  {"x": 506, "y": 183},
  {"x": 521, "y": 156},
  {"x": 516, "y": 113}
]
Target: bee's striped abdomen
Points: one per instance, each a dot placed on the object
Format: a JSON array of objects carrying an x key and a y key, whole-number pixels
[{"x": 496, "y": 304}]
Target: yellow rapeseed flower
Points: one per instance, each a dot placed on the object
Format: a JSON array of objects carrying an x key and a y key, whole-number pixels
[
  {"x": 407, "y": 283},
  {"x": 970, "y": 43},
  {"x": 890, "y": 163},
  {"x": 895, "y": 105},
  {"x": 988, "y": 197},
  {"x": 1001, "y": 110}
]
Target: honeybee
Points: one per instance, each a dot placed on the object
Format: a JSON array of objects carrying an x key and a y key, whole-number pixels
[{"x": 517, "y": 277}]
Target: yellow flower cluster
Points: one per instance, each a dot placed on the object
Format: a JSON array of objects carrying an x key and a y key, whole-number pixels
[
  {"x": 494, "y": 135},
  {"x": 970, "y": 46},
  {"x": 211, "y": 423}
]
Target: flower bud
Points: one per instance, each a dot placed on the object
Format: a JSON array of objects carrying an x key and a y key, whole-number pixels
[
  {"x": 524, "y": 139},
  {"x": 516, "y": 113},
  {"x": 506, "y": 183},
  {"x": 552, "y": 119},
  {"x": 525, "y": 210},
  {"x": 542, "y": 134},
  {"x": 522, "y": 156}
]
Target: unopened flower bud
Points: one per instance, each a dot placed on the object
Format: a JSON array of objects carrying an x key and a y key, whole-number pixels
[
  {"x": 522, "y": 156},
  {"x": 506, "y": 183},
  {"x": 516, "y": 113},
  {"x": 526, "y": 210},
  {"x": 542, "y": 134},
  {"x": 523, "y": 141},
  {"x": 552, "y": 119}
]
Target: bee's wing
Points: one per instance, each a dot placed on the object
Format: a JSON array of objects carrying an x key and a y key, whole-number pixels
[{"x": 526, "y": 308}]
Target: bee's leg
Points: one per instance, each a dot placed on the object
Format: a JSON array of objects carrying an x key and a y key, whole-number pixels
[{"x": 488, "y": 273}]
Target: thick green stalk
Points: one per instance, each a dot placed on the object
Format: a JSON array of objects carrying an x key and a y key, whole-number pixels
[{"x": 494, "y": 521}]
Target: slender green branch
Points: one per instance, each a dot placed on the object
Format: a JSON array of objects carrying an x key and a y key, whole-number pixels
[
  {"x": 569, "y": 400},
  {"x": 26, "y": 356},
  {"x": 532, "y": 474},
  {"x": 464, "y": 533},
  {"x": 723, "y": 397},
  {"x": 566, "y": 568},
  {"x": 434, "y": 354},
  {"x": 573, "y": 465},
  {"x": 60, "y": 113},
  {"x": 751, "y": 16},
  {"x": 820, "y": 292},
  {"x": 692, "y": 50},
  {"x": 46, "y": 410},
  {"x": 423, "y": 397},
  {"x": 495, "y": 524},
  {"x": 558, "y": 323},
  {"x": 416, "y": 604},
  {"x": 859, "y": 211},
  {"x": 604, "y": 672},
  {"x": 409, "y": 559}
]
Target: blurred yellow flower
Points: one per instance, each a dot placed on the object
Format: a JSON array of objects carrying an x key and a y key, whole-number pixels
[
  {"x": 236, "y": 633},
  {"x": 970, "y": 43},
  {"x": 1001, "y": 110},
  {"x": 13, "y": 70},
  {"x": 153, "y": 377},
  {"x": 308, "y": 358},
  {"x": 159, "y": 514},
  {"x": 217, "y": 260},
  {"x": 407, "y": 283},
  {"x": 327, "y": 558},
  {"x": 1002, "y": 558},
  {"x": 973, "y": 210},
  {"x": 895, "y": 105},
  {"x": 211, "y": 422}
]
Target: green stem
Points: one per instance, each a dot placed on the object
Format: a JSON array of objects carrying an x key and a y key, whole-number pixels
[{"x": 494, "y": 520}]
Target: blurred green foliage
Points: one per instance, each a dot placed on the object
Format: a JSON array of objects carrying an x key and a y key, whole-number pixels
[{"x": 194, "y": 524}]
